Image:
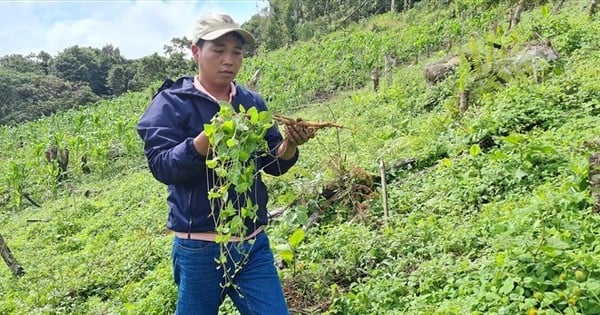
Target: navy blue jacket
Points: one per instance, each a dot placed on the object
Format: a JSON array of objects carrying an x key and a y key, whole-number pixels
[{"x": 177, "y": 115}]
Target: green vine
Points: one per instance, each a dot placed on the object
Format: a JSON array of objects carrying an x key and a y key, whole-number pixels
[{"x": 236, "y": 139}]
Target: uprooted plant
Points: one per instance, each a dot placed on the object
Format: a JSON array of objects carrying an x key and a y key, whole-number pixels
[{"x": 236, "y": 139}]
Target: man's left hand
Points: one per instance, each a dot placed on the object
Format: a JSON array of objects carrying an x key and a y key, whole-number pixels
[{"x": 297, "y": 135}]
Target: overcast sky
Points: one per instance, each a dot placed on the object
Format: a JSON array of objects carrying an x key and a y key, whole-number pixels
[{"x": 137, "y": 28}]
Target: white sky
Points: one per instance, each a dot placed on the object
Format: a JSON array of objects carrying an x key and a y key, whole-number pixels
[{"x": 138, "y": 28}]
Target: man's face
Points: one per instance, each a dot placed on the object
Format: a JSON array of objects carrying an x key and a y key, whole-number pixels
[{"x": 219, "y": 60}]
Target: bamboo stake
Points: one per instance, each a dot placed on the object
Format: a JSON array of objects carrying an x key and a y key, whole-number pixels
[{"x": 386, "y": 213}]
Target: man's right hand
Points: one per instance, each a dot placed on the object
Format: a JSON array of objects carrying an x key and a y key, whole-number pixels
[{"x": 201, "y": 144}]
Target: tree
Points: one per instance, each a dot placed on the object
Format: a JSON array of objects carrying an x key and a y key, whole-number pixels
[
  {"x": 24, "y": 96},
  {"x": 178, "y": 45},
  {"x": 44, "y": 59},
  {"x": 113, "y": 53},
  {"x": 256, "y": 25},
  {"x": 89, "y": 65},
  {"x": 20, "y": 63},
  {"x": 290, "y": 19},
  {"x": 179, "y": 64},
  {"x": 274, "y": 35},
  {"x": 118, "y": 79},
  {"x": 147, "y": 70}
]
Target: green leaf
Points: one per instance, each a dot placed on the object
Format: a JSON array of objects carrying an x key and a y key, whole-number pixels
[
  {"x": 232, "y": 142},
  {"x": 447, "y": 163},
  {"x": 507, "y": 286},
  {"x": 475, "y": 150},
  {"x": 228, "y": 126},
  {"x": 287, "y": 255},
  {"x": 209, "y": 130},
  {"x": 520, "y": 174},
  {"x": 514, "y": 139},
  {"x": 296, "y": 238},
  {"x": 253, "y": 113},
  {"x": 285, "y": 252},
  {"x": 243, "y": 156},
  {"x": 212, "y": 163},
  {"x": 545, "y": 11},
  {"x": 222, "y": 238},
  {"x": 549, "y": 298},
  {"x": 236, "y": 223},
  {"x": 221, "y": 171}
]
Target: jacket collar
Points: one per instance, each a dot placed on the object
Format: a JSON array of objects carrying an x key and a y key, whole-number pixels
[{"x": 185, "y": 86}]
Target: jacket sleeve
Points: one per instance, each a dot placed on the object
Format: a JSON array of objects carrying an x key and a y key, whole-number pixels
[
  {"x": 269, "y": 163},
  {"x": 171, "y": 155}
]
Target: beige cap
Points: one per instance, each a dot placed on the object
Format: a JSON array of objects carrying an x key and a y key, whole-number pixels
[{"x": 214, "y": 25}]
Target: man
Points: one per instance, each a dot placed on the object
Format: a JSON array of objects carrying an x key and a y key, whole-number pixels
[{"x": 176, "y": 149}]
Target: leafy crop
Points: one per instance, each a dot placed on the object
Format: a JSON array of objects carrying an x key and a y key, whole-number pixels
[{"x": 235, "y": 141}]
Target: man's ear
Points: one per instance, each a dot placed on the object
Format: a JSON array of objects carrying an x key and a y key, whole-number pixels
[{"x": 195, "y": 51}]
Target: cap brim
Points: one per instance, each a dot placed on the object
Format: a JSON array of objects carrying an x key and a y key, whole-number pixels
[{"x": 246, "y": 36}]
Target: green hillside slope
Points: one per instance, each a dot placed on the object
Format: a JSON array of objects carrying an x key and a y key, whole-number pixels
[{"x": 489, "y": 206}]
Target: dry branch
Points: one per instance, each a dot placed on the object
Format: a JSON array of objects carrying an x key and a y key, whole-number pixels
[{"x": 31, "y": 200}]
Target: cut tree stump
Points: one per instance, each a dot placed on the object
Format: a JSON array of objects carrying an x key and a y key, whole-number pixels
[{"x": 10, "y": 261}]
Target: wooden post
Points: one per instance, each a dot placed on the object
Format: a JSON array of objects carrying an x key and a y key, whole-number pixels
[
  {"x": 393, "y": 8},
  {"x": 375, "y": 78},
  {"x": 254, "y": 80},
  {"x": 386, "y": 213},
  {"x": 10, "y": 261},
  {"x": 388, "y": 64},
  {"x": 463, "y": 104},
  {"x": 594, "y": 180},
  {"x": 515, "y": 16},
  {"x": 559, "y": 5},
  {"x": 593, "y": 7}
]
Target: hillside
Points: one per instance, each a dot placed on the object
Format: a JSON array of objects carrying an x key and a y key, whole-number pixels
[{"x": 489, "y": 203}]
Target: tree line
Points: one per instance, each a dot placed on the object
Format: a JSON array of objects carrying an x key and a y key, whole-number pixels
[
  {"x": 38, "y": 84},
  {"x": 284, "y": 22}
]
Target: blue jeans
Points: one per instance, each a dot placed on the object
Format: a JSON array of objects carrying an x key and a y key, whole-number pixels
[{"x": 256, "y": 289}]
